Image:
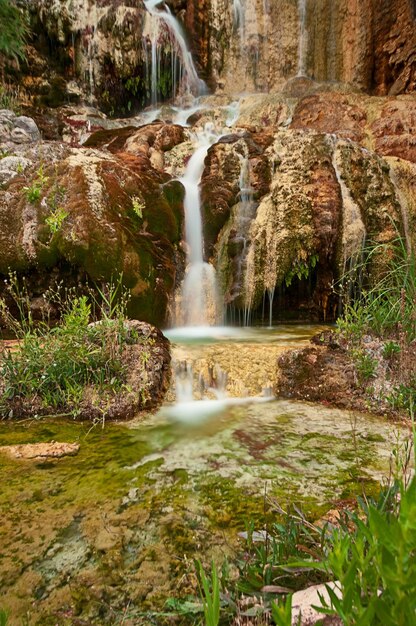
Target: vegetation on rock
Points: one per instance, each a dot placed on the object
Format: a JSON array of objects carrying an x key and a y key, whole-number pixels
[
  {"x": 13, "y": 32},
  {"x": 78, "y": 368}
]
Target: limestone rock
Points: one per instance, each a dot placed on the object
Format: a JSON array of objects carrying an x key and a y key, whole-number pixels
[
  {"x": 312, "y": 199},
  {"x": 303, "y": 602},
  {"x": 118, "y": 215},
  {"x": 40, "y": 451},
  {"x": 28, "y": 125},
  {"x": 11, "y": 166}
]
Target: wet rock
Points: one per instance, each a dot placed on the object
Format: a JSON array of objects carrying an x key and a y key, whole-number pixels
[
  {"x": 100, "y": 231},
  {"x": 395, "y": 129},
  {"x": 39, "y": 451},
  {"x": 331, "y": 113},
  {"x": 319, "y": 374}
]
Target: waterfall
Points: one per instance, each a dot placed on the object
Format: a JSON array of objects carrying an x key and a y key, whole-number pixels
[
  {"x": 199, "y": 294},
  {"x": 303, "y": 39},
  {"x": 239, "y": 18},
  {"x": 404, "y": 208},
  {"x": 353, "y": 229},
  {"x": 183, "y": 75}
]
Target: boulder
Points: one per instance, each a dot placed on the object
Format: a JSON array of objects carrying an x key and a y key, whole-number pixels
[{"x": 89, "y": 215}]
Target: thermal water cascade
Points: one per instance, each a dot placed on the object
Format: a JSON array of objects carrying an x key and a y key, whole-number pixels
[
  {"x": 303, "y": 39},
  {"x": 199, "y": 298},
  {"x": 184, "y": 77}
]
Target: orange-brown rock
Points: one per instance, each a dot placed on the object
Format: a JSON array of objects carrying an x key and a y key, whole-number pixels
[
  {"x": 331, "y": 113},
  {"x": 394, "y": 131}
]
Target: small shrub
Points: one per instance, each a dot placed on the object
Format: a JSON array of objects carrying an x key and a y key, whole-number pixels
[
  {"x": 54, "y": 366},
  {"x": 390, "y": 349},
  {"x": 138, "y": 205},
  {"x": 33, "y": 192},
  {"x": 365, "y": 365},
  {"x": 56, "y": 219}
]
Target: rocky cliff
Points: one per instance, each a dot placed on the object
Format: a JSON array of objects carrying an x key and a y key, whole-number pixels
[{"x": 101, "y": 49}]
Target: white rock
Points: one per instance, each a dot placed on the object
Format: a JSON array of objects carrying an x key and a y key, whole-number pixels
[
  {"x": 29, "y": 126},
  {"x": 18, "y": 135},
  {"x": 303, "y": 601}
]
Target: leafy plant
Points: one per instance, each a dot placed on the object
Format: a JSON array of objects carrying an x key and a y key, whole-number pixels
[
  {"x": 210, "y": 592},
  {"x": 138, "y": 205},
  {"x": 54, "y": 366},
  {"x": 390, "y": 349},
  {"x": 14, "y": 30},
  {"x": 34, "y": 190},
  {"x": 375, "y": 565},
  {"x": 56, "y": 219},
  {"x": 301, "y": 269},
  {"x": 282, "y": 612},
  {"x": 365, "y": 365}
]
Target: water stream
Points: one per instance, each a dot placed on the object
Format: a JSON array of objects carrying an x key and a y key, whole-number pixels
[
  {"x": 303, "y": 39},
  {"x": 184, "y": 77},
  {"x": 123, "y": 520}
]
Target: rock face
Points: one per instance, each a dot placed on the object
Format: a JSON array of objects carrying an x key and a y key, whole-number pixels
[
  {"x": 314, "y": 198},
  {"x": 90, "y": 214},
  {"x": 100, "y": 50}
]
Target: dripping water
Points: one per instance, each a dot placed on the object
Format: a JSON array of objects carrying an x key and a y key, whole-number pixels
[
  {"x": 303, "y": 39},
  {"x": 184, "y": 76},
  {"x": 404, "y": 208},
  {"x": 353, "y": 229}
]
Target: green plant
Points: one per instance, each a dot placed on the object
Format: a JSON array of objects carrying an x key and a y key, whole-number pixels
[
  {"x": 282, "y": 612},
  {"x": 210, "y": 592},
  {"x": 9, "y": 98},
  {"x": 53, "y": 366},
  {"x": 301, "y": 269},
  {"x": 34, "y": 190},
  {"x": 138, "y": 205},
  {"x": 14, "y": 30},
  {"x": 390, "y": 349},
  {"x": 389, "y": 304},
  {"x": 56, "y": 219},
  {"x": 4, "y": 618},
  {"x": 365, "y": 364},
  {"x": 375, "y": 565}
]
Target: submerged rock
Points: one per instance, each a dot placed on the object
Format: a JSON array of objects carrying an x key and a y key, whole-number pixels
[{"x": 52, "y": 450}]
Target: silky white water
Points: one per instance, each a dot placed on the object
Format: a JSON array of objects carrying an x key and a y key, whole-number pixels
[
  {"x": 303, "y": 39},
  {"x": 184, "y": 76},
  {"x": 199, "y": 298}
]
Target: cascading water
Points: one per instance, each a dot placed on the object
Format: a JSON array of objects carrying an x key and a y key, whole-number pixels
[
  {"x": 239, "y": 18},
  {"x": 244, "y": 214},
  {"x": 353, "y": 229},
  {"x": 303, "y": 39},
  {"x": 199, "y": 296},
  {"x": 184, "y": 79}
]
